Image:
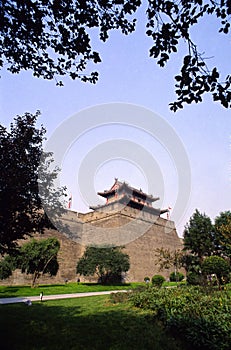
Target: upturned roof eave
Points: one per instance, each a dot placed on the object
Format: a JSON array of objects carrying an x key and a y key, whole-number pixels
[{"x": 106, "y": 193}]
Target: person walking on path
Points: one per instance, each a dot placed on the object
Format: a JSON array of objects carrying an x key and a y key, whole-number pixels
[{"x": 41, "y": 296}]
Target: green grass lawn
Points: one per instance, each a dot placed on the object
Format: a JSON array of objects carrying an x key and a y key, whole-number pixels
[
  {"x": 86, "y": 323},
  {"x": 17, "y": 291}
]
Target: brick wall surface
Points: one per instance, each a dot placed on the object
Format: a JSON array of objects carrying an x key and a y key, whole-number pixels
[{"x": 140, "y": 232}]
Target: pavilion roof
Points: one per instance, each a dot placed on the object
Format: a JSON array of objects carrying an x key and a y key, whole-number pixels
[{"x": 119, "y": 186}]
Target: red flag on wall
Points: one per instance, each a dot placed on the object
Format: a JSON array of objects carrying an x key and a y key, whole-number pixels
[
  {"x": 70, "y": 202},
  {"x": 168, "y": 213}
]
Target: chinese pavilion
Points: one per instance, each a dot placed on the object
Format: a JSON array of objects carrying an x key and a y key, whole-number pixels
[{"x": 121, "y": 194}]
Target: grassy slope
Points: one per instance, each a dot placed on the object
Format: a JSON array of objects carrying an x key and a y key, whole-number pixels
[{"x": 86, "y": 323}]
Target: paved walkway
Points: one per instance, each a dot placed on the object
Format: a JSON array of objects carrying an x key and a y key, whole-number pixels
[{"x": 52, "y": 297}]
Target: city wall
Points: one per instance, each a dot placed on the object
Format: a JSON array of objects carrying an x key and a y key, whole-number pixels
[{"x": 139, "y": 232}]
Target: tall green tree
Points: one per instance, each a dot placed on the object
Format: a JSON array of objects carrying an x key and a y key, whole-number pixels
[
  {"x": 108, "y": 263},
  {"x": 53, "y": 38},
  {"x": 199, "y": 236},
  {"x": 39, "y": 257},
  {"x": 26, "y": 183},
  {"x": 223, "y": 233}
]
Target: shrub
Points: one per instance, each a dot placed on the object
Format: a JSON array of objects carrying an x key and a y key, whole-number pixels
[
  {"x": 7, "y": 265},
  {"x": 158, "y": 280},
  {"x": 194, "y": 279},
  {"x": 119, "y": 297},
  {"x": 218, "y": 266},
  {"x": 146, "y": 279},
  {"x": 176, "y": 277},
  {"x": 204, "y": 319}
]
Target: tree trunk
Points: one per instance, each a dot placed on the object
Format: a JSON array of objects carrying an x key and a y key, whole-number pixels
[{"x": 35, "y": 276}]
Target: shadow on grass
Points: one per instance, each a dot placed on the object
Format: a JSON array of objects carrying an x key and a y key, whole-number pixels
[
  {"x": 11, "y": 290},
  {"x": 50, "y": 285},
  {"x": 76, "y": 327},
  {"x": 90, "y": 284}
]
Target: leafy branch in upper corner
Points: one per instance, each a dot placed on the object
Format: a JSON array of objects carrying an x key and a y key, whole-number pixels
[
  {"x": 53, "y": 39},
  {"x": 171, "y": 21}
]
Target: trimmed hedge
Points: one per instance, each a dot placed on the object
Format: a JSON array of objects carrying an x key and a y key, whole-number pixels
[
  {"x": 158, "y": 280},
  {"x": 176, "y": 277}
]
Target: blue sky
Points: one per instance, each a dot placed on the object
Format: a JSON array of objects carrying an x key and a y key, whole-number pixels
[{"x": 128, "y": 75}]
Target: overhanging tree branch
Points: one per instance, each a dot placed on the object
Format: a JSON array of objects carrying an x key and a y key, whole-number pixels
[{"x": 53, "y": 39}]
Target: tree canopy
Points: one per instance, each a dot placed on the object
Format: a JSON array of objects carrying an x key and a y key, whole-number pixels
[
  {"x": 199, "y": 235},
  {"x": 203, "y": 238},
  {"x": 23, "y": 168},
  {"x": 167, "y": 258},
  {"x": 207, "y": 245},
  {"x": 108, "y": 263},
  {"x": 223, "y": 233},
  {"x": 53, "y": 38},
  {"x": 39, "y": 257},
  {"x": 7, "y": 265}
]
